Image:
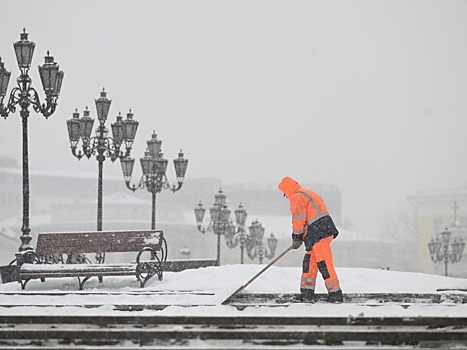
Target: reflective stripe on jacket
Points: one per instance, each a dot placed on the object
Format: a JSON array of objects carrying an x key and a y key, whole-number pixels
[{"x": 306, "y": 207}]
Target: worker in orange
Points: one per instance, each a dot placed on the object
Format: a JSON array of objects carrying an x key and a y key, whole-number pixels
[{"x": 312, "y": 224}]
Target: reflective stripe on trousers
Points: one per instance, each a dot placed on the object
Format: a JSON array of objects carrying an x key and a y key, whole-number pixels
[{"x": 307, "y": 283}]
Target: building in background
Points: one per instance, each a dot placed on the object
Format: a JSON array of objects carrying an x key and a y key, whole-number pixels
[
  {"x": 435, "y": 211},
  {"x": 67, "y": 201}
]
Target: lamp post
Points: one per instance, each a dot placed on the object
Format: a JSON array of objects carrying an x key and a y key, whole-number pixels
[
  {"x": 439, "y": 249},
  {"x": 24, "y": 96},
  {"x": 220, "y": 219},
  {"x": 235, "y": 237},
  {"x": 154, "y": 177},
  {"x": 101, "y": 145},
  {"x": 255, "y": 245}
]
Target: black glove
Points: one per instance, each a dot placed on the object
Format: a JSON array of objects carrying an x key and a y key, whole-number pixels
[{"x": 296, "y": 241}]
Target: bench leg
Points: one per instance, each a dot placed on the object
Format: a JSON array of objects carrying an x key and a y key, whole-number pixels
[
  {"x": 146, "y": 270},
  {"x": 81, "y": 282},
  {"x": 23, "y": 283}
]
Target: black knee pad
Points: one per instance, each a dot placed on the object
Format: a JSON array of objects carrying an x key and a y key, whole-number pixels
[
  {"x": 306, "y": 263},
  {"x": 323, "y": 269}
]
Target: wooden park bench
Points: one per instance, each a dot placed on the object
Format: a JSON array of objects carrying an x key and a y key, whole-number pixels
[{"x": 62, "y": 254}]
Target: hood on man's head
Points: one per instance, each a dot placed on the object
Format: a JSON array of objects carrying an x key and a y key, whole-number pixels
[{"x": 289, "y": 186}]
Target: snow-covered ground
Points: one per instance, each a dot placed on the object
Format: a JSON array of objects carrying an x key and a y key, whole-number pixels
[{"x": 206, "y": 288}]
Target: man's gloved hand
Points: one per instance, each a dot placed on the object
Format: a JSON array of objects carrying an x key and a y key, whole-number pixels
[{"x": 296, "y": 241}]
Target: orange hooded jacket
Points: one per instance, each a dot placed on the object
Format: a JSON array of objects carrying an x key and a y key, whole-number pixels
[{"x": 306, "y": 206}]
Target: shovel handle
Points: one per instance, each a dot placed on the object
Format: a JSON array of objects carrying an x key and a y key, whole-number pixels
[
  {"x": 258, "y": 274},
  {"x": 272, "y": 262}
]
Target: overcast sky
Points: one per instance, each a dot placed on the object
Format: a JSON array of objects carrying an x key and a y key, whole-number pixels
[{"x": 369, "y": 96}]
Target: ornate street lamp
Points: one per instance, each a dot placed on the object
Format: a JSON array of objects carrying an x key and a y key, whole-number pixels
[
  {"x": 154, "y": 177},
  {"x": 439, "y": 249},
  {"x": 255, "y": 246},
  {"x": 237, "y": 236},
  {"x": 24, "y": 96},
  {"x": 101, "y": 145},
  {"x": 220, "y": 219}
]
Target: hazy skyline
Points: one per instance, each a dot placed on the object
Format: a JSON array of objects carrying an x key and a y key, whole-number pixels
[{"x": 369, "y": 96}]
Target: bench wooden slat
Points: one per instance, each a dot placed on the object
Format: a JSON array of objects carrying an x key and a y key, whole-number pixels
[
  {"x": 93, "y": 242},
  {"x": 44, "y": 274},
  {"x": 31, "y": 271},
  {"x": 75, "y": 267}
]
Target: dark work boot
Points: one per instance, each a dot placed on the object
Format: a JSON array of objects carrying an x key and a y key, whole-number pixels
[
  {"x": 336, "y": 297},
  {"x": 306, "y": 296}
]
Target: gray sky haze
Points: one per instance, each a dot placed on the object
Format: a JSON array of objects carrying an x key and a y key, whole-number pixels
[{"x": 369, "y": 96}]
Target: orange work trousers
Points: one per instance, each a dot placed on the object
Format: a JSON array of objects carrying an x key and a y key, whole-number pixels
[{"x": 319, "y": 258}]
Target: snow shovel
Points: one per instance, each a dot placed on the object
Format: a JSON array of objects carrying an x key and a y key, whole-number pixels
[{"x": 258, "y": 274}]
